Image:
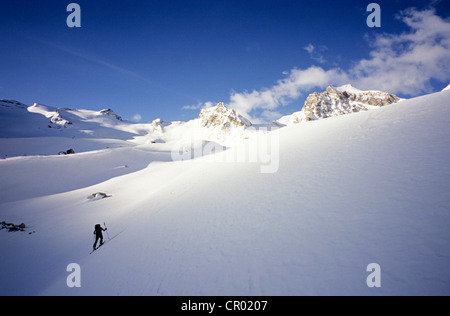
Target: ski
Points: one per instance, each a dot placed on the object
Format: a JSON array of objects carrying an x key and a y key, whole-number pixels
[{"x": 97, "y": 248}]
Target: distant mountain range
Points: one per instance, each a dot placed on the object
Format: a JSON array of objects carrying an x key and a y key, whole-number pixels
[{"x": 215, "y": 123}]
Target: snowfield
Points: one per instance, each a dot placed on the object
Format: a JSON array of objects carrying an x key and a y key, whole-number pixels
[{"x": 369, "y": 187}]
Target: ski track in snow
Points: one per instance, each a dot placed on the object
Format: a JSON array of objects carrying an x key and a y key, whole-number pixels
[{"x": 365, "y": 188}]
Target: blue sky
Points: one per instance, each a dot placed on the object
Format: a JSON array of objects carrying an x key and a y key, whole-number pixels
[{"x": 168, "y": 59}]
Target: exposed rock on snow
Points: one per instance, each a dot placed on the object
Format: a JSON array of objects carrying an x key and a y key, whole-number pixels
[
  {"x": 98, "y": 196},
  {"x": 109, "y": 112},
  {"x": 13, "y": 227},
  {"x": 222, "y": 117},
  {"x": 339, "y": 101},
  {"x": 59, "y": 121},
  {"x": 69, "y": 152}
]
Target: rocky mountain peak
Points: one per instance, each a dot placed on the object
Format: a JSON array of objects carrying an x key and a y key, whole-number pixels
[
  {"x": 340, "y": 101},
  {"x": 223, "y": 117}
]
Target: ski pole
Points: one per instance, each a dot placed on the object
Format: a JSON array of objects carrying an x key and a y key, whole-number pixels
[{"x": 107, "y": 234}]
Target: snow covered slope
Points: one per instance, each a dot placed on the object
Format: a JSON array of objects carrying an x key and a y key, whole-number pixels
[{"x": 352, "y": 190}]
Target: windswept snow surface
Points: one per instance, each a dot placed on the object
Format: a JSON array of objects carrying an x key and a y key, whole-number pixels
[{"x": 370, "y": 187}]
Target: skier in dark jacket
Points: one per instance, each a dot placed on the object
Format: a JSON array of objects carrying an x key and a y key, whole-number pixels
[{"x": 98, "y": 232}]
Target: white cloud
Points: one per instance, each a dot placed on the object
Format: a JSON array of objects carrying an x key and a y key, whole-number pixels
[
  {"x": 199, "y": 106},
  {"x": 193, "y": 107},
  {"x": 310, "y": 48},
  {"x": 137, "y": 117},
  {"x": 406, "y": 63},
  {"x": 316, "y": 53},
  {"x": 271, "y": 116}
]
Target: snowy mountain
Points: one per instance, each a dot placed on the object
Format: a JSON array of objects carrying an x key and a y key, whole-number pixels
[
  {"x": 56, "y": 120},
  {"x": 338, "y": 101},
  {"x": 39, "y": 120},
  {"x": 448, "y": 88},
  {"x": 63, "y": 128},
  {"x": 16, "y": 121},
  {"x": 68, "y": 127},
  {"x": 371, "y": 187}
]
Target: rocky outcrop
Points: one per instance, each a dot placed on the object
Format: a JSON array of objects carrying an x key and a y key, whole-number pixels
[
  {"x": 339, "y": 101},
  {"x": 13, "y": 227},
  {"x": 109, "y": 112},
  {"x": 59, "y": 121},
  {"x": 68, "y": 152},
  {"x": 98, "y": 196},
  {"x": 222, "y": 117}
]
